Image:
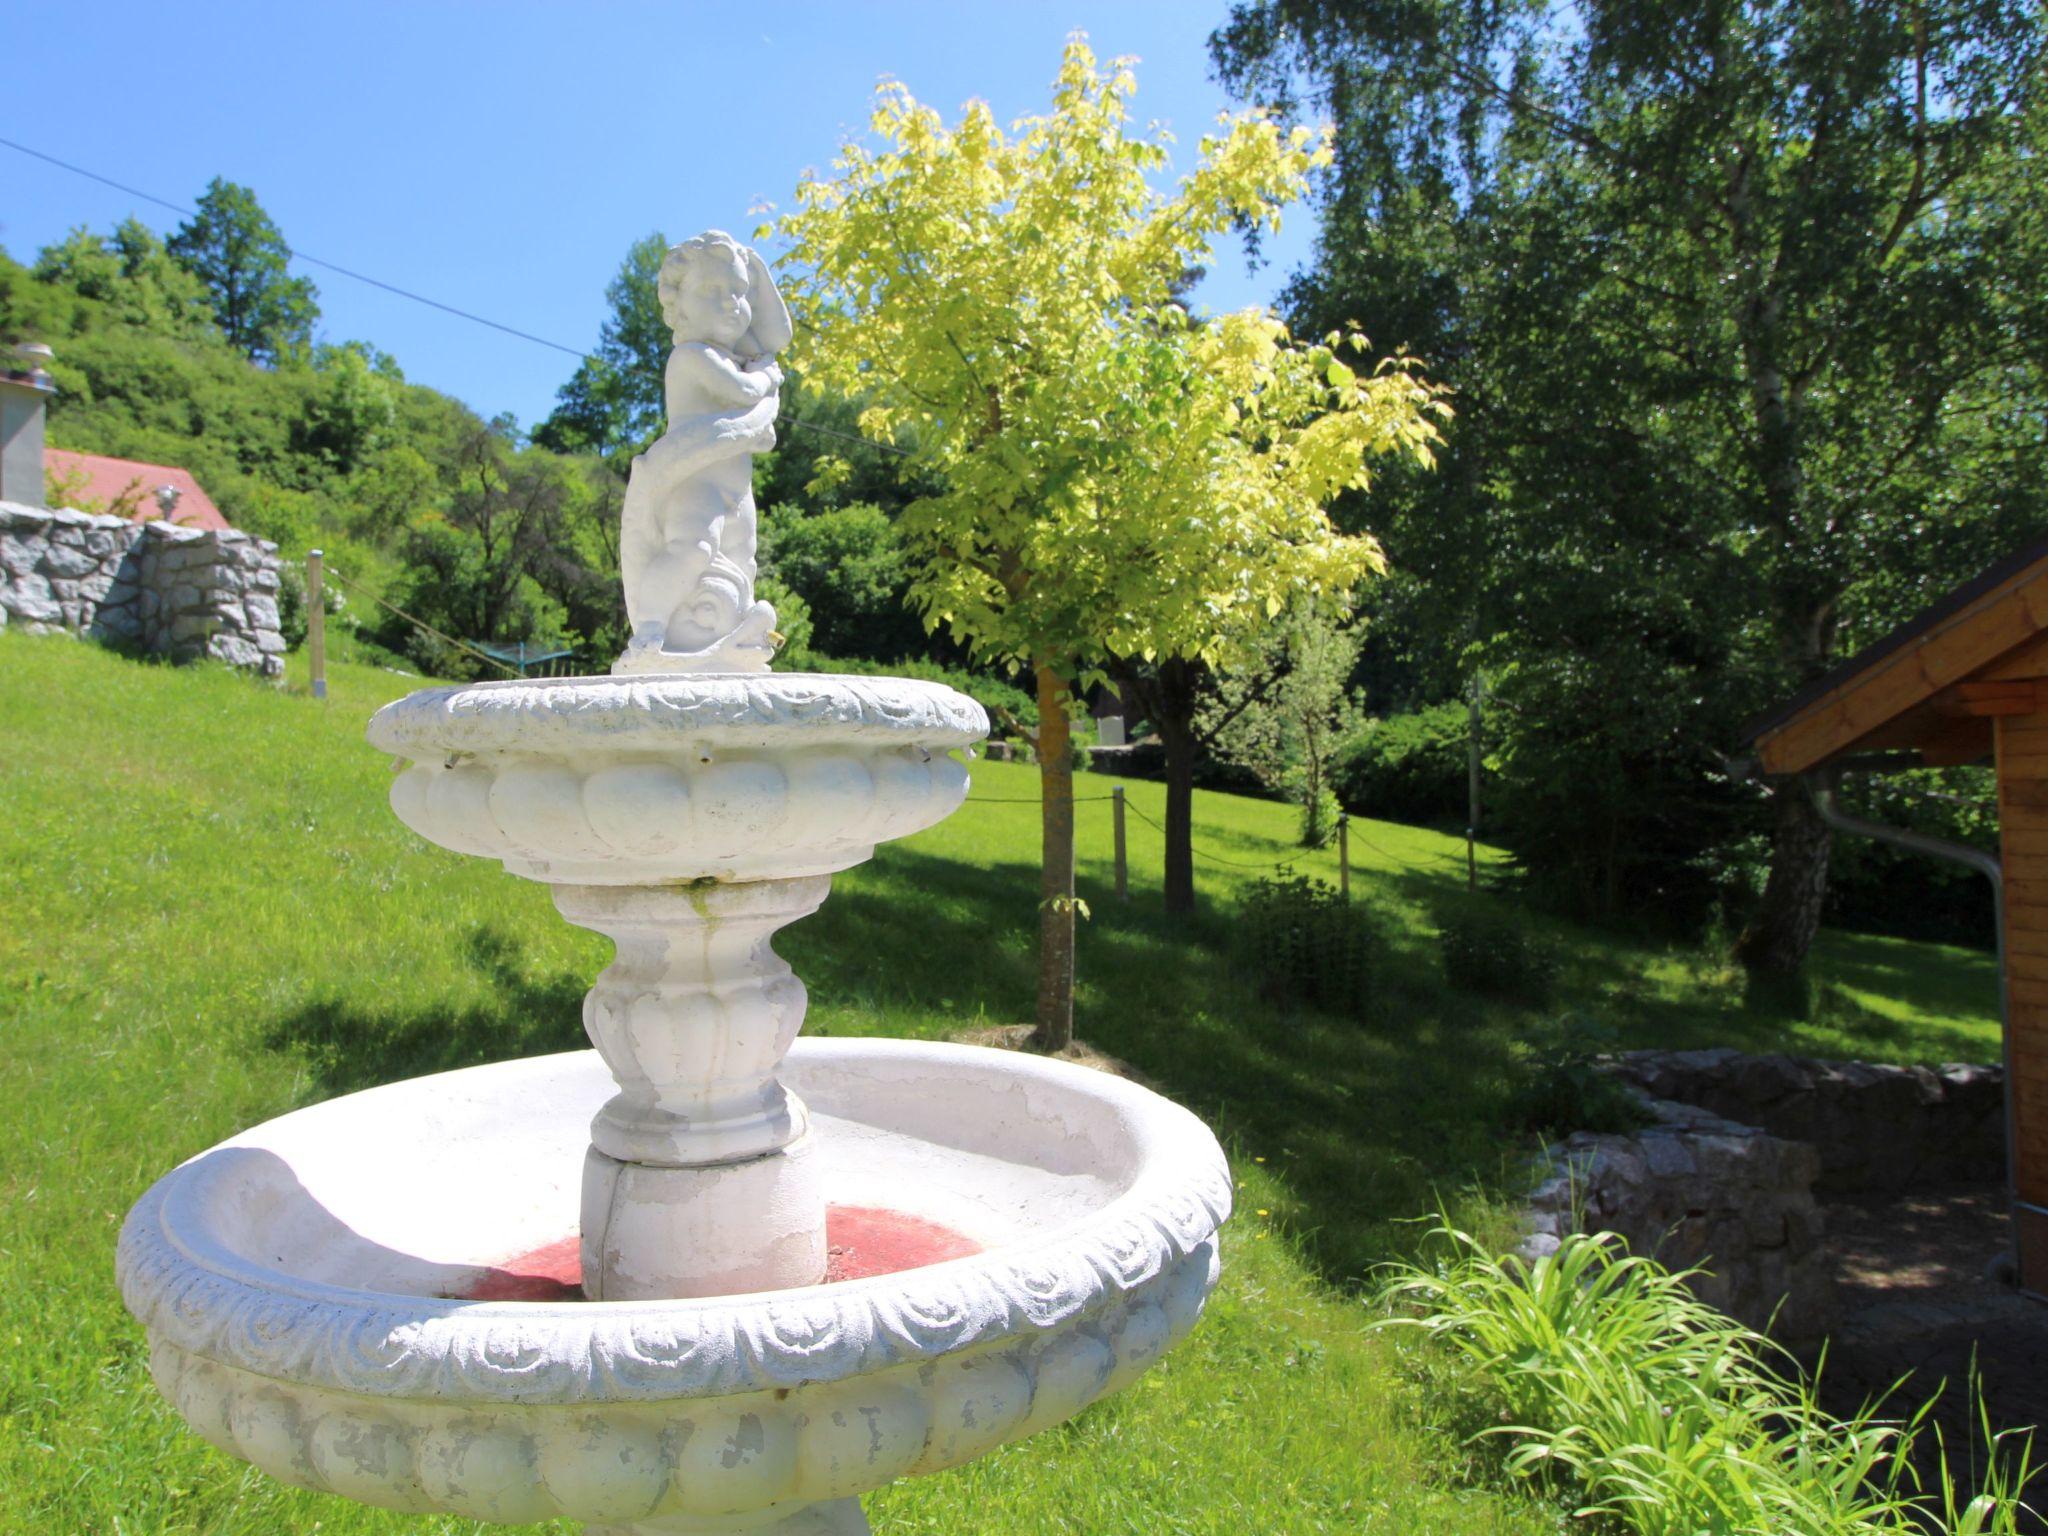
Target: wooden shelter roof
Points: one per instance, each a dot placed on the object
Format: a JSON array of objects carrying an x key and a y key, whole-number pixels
[{"x": 1934, "y": 684}]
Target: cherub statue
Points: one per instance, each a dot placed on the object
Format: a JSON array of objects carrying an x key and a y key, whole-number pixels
[{"x": 688, "y": 532}]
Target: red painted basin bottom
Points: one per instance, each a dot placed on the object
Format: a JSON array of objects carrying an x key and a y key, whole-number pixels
[{"x": 860, "y": 1240}]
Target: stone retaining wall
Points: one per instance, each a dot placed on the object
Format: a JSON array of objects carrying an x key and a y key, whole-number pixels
[
  {"x": 1878, "y": 1129},
  {"x": 1726, "y": 1177},
  {"x": 185, "y": 593},
  {"x": 1698, "y": 1190}
]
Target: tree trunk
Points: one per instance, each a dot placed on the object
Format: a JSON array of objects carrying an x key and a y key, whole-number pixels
[
  {"x": 1179, "y": 740},
  {"x": 1168, "y": 693},
  {"x": 1779, "y": 935},
  {"x": 1055, "y": 1029}
]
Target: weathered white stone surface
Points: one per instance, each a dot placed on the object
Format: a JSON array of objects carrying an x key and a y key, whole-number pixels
[
  {"x": 164, "y": 589},
  {"x": 687, "y": 533},
  {"x": 293, "y": 1280},
  {"x": 622, "y": 781}
]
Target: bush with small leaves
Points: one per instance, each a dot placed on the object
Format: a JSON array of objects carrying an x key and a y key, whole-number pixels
[
  {"x": 1493, "y": 954},
  {"x": 1557, "y": 1084},
  {"x": 1304, "y": 943}
]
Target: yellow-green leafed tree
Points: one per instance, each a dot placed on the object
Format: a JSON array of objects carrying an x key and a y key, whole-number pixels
[{"x": 1121, "y": 478}]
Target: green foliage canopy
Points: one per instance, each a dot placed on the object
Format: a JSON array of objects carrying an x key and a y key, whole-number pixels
[
  {"x": 1118, "y": 476},
  {"x": 235, "y": 249}
]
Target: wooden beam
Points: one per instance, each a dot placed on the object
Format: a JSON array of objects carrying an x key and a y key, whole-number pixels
[
  {"x": 2002, "y": 621},
  {"x": 2017, "y": 697}
]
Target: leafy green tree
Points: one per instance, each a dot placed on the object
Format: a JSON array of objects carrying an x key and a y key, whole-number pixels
[
  {"x": 853, "y": 573},
  {"x": 1285, "y": 720},
  {"x": 613, "y": 402},
  {"x": 233, "y": 247},
  {"x": 1743, "y": 303},
  {"x": 354, "y": 409},
  {"x": 133, "y": 273},
  {"x": 1115, "y": 475}
]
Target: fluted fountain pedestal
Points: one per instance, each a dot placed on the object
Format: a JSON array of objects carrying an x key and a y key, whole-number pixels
[
  {"x": 700, "y": 1179},
  {"x": 687, "y": 818}
]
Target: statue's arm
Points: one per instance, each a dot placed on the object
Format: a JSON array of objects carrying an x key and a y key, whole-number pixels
[{"x": 717, "y": 376}]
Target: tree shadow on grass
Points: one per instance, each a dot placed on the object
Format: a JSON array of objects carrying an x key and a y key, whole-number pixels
[
  {"x": 1366, "y": 1124},
  {"x": 1362, "y": 1125},
  {"x": 347, "y": 1046}
]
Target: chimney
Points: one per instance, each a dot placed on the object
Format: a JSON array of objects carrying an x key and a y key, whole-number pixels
[{"x": 25, "y": 387}]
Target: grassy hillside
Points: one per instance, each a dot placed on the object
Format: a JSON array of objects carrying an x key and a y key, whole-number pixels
[{"x": 210, "y": 917}]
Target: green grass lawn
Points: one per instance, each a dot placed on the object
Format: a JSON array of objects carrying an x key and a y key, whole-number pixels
[{"x": 209, "y": 917}]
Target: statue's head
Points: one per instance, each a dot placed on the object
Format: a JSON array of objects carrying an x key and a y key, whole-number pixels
[{"x": 714, "y": 289}]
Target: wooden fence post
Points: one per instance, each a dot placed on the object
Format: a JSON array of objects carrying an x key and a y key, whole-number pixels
[
  {"x": 1123, "y": 876},
  {"x": 1472, "y": 788},
  {"x": 316, "y": 622},
  {"x": 1344, "y": 856}
]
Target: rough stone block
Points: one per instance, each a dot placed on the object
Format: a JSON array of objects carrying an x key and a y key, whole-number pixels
[
  {"x": 1668, "y": 1157},
  {"x": 33, "y": 604},
  {"x": 271, "y": 643},
  {"x": 262, "y": 612},
  {"x": 264, "y": 580},
  {"x": 233, "y": 650},
  {"x": 116, "y": 622},
  {"x": 191, "y": 626},
  {"x": 183, "y": 597},
  {"x": 67, "y": 560}
]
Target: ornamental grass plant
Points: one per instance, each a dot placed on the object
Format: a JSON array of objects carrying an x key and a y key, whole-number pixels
[{"x": 1648, "y": 1411}]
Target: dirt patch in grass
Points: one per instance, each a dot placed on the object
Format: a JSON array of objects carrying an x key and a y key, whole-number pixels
[{"x": 1017, "y": 1037}]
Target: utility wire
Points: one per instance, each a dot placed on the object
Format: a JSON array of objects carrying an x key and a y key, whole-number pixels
[
  {"x": 506, "y": 667},
  {"x": 188, "y": 211}
]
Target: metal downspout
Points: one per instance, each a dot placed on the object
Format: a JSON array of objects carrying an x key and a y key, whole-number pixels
[{"x": 1987, "y": 865}]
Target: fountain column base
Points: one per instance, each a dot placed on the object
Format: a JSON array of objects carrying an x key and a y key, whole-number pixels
[
  {"x": 651, "y": 1232},
  {"x": 834, "y": 1517},
  {"x": 700, "y": 1179}
]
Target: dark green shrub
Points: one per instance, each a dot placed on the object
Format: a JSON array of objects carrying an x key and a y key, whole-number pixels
[
  {"x": 1411, "y": 767},
  {"x": 1557, "y": 1085},
  {"x": 1303, "y": 943},
  {"x": 1495, "y": 954}
]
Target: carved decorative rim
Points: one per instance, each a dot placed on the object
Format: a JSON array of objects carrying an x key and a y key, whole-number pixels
[
  {"x": 208, "y": 1300},
  {"x": 729, "y": 709}
]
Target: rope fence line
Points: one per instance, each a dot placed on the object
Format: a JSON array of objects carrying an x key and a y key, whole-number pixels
[
  {"x": 505, "y": 667},
  {"x": 1213, "y": 858}
]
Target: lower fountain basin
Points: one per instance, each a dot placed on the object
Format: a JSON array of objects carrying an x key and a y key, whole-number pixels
[{"x": 302, "y": 1289}]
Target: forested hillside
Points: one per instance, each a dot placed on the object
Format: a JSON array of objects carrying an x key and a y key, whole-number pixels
[{"x": 196, "y": 352}]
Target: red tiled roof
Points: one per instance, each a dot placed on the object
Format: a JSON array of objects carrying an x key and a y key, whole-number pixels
[{"x": 132, "y": 487}]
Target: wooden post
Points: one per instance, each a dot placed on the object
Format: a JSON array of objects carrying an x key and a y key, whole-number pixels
[
  {"x": 1344, "y": 856},
  {"x": 1472, "y": 793},
  {"x": 1123, "y": 876},
  {"x": 316, "y": 622},
  {"x": 2023, "y": 838}
]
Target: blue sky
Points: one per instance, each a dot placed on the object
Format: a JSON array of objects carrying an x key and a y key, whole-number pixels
[{"x": 501, "y": 157}]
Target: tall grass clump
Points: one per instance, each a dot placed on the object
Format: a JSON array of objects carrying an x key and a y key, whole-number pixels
[{"x": 1619, "y": 1389}]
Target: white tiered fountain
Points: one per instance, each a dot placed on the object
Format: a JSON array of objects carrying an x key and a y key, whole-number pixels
[{"x": 705, "y": 1278}]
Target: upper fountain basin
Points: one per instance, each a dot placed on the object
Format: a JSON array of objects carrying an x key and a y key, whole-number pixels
[
  {"x": 296, "y": 1284},
  {"x": 648, "y": 779}
]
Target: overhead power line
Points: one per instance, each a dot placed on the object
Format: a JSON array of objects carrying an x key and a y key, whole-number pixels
[{"x": 188, "y": 211}]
